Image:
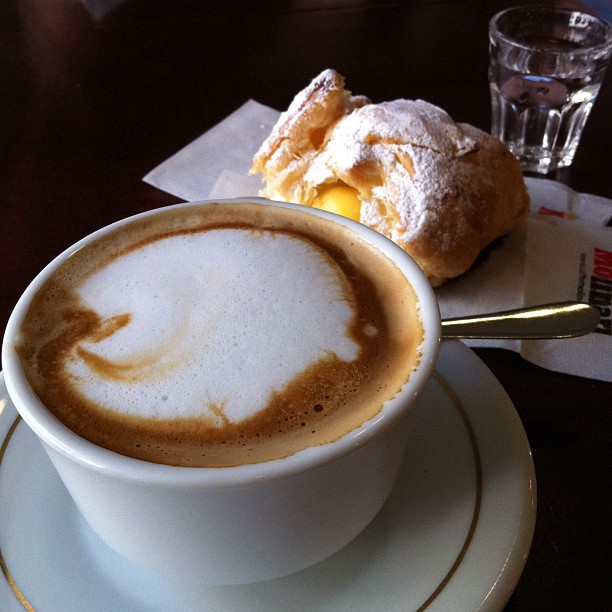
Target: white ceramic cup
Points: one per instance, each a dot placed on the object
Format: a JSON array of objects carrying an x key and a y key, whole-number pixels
[{"x": 239, "y": 524}]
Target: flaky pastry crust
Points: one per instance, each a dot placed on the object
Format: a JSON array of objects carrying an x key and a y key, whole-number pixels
[{"x": 441, "y": 190}]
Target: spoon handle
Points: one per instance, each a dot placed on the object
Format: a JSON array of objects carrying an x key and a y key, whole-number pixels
[{"x": 558, "y": 320}]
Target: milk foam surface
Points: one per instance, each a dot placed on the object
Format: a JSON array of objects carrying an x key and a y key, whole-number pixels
[
  {"x": 211, "y": 324},
  {"x": 220, "y": 334}
]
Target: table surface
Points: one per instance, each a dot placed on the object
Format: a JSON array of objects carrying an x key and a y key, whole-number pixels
[{"x": 91, "y": 102}]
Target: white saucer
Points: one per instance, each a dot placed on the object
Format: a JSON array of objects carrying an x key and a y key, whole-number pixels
[{"x": 454, "y": 535}]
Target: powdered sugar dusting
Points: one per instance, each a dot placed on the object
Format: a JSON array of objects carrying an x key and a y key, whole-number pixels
[
  {"x": 442, "y": 190},
  {"x": 415, "y": 146}
]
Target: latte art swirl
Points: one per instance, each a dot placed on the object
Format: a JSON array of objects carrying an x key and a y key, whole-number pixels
[
  {"x": 220, "y": 334},
  {"x": 191, "y": 303}
]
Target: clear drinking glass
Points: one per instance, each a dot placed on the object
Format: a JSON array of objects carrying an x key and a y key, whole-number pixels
[{"x": 546, "y": 67}]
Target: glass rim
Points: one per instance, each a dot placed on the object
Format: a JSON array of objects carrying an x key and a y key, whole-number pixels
[{"x": 494, "y": 30}]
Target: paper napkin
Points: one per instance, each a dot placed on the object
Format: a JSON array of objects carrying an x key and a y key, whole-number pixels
[{"x": 563, "y": 252}]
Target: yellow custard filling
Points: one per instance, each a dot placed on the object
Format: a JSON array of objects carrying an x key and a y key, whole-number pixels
[{"x": 339, "y": 199}]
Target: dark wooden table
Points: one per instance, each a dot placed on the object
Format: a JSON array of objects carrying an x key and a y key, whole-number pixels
[{"x": 89, "y": 105}]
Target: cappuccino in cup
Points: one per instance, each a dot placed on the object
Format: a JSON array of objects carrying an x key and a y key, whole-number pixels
[
  {"x": 221, "y": 335},
  {"x": 225, "y": 388}
]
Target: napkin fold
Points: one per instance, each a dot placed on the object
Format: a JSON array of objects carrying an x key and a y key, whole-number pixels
[{"x": 563, "y": 251}]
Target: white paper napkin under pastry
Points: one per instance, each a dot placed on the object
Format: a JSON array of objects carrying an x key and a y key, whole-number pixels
[{"x": 563, "y": 252}]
